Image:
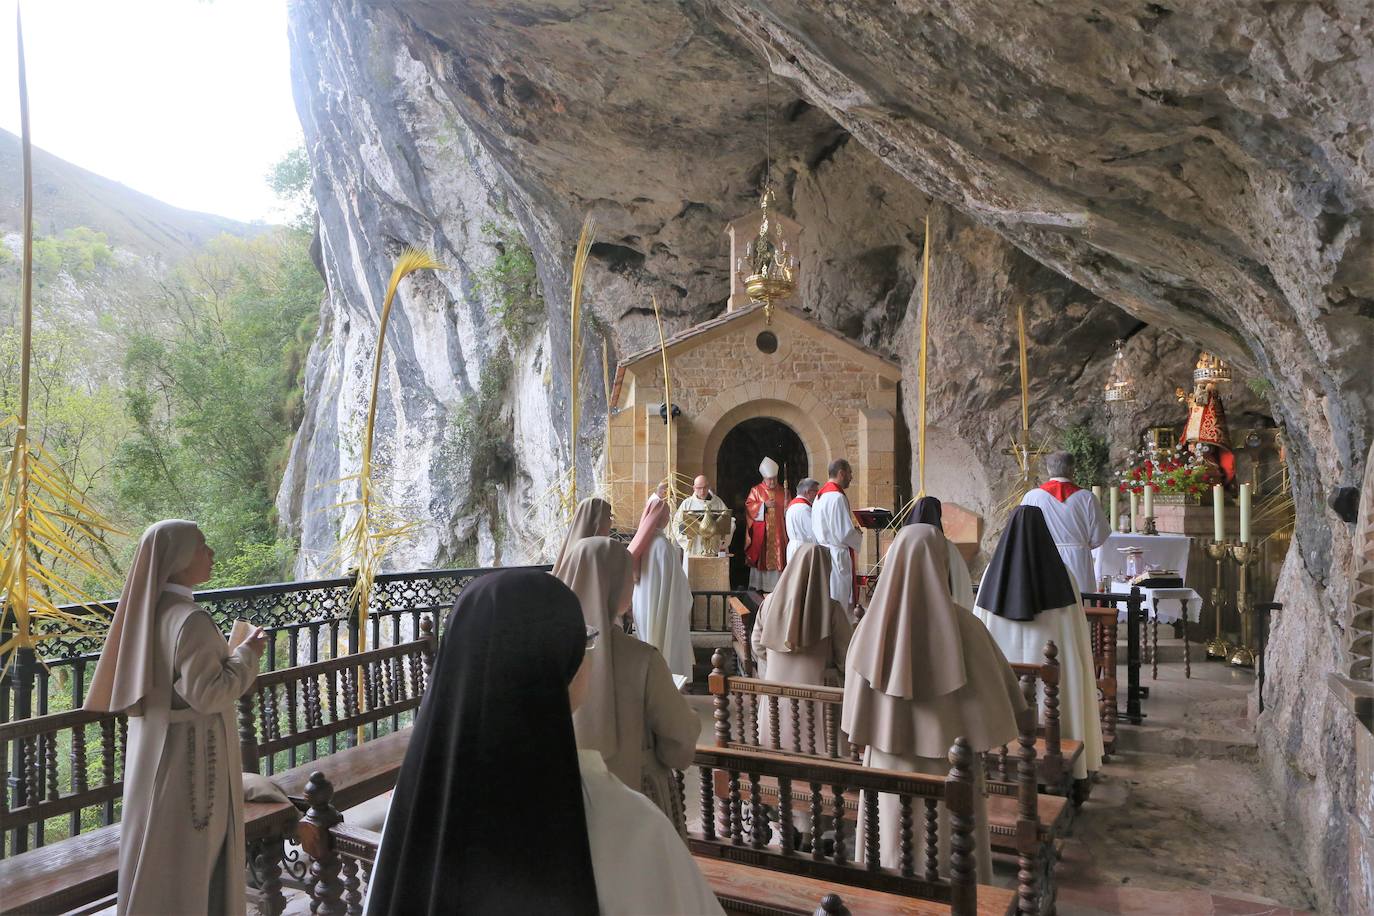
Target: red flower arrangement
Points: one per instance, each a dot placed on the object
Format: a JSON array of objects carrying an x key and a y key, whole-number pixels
[{"x": 1168, "y": 471}]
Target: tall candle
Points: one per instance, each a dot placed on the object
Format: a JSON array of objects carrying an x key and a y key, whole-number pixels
[
  {"x": 1149, "y": 500},
  {"x": 1245, "y": 513},
  {"x": 1114, "y": 508},
  {"x": 1134, "y": 500},
  {"x": 1218, "y": 513},
  {"x": 1097, "y": 495}
]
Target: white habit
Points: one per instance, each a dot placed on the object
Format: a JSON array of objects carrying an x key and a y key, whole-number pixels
[
  {"x": 663, "y": 604},
  {"x": 640, "y": 863},
  {"x": 799, "y": 529},
  {"x": 1078, "y": 525},
  {"x": 832, "y": 524},
  {"x": 1024, "y": 642}
]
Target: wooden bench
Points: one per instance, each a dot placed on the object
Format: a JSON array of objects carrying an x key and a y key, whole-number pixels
[
  {"x": 735, "y": 826},
  {"x": 343, "y": 857},
  {"x": 293, "y": 712}
]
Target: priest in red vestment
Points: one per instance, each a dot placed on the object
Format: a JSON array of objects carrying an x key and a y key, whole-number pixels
[{"x": 765, "y": 508}]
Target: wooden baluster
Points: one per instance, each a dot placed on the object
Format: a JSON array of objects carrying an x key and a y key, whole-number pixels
[
  {"x": 332, "y": 683},
  {"x": 758, "y": 820},
  {"x": 293, "y": 712},
  {"x": 50, "y": 764},
  {"x": 248, "y": 736},
  {"x": 873, "y": 856},
  {"x": 314, "y": 715},
  {"x": 267, "y": 866},
  {"x": 427, "y": 634},
  {"x": 774, "y": 726},
  {"x": 373, "y": 685},
  {"x": 107, "y": 764},
  {"x": 907, "y": 862},
  {"x": 680, "y": 780},
  {"x": 811, "y": 727},
  {"x": 389, "y": 668},
  {"x": 832, "y": 732},
  {"x": 708, "y": 803},
  {"x": 837, "y": 808},
  {"x": 959, "y": 801},
  {"x": 80, "y": 777},
  {"x": 352, "y": 887},
  {"x": 313, "y": 832},
  {"x": 754, "y": 730},
  {"x": 417, "y": 688},
  {"x": 1027, "y": 814},
  {"x": 350, "y": 691},
  {"x": 123, "y": 722},
  {"x": 796, "y": 724},
  {"x": 932, "y": 839},
  {"x": 1050, "y": 678},
  {"x": 33, "y": 787},
  {"x": 736, "y": 815},
  {"x": 786, "y": 829},
  {"x": 816, "y": 852},
  {"x": 720, "y": 698}
]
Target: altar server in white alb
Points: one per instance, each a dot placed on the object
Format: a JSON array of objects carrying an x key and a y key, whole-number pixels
[
  {"x": 1028, "y": 598},
  {"x": 799, "y": 516},
  {"x": 1074, "y": 516},
  {"x": 832, "y": 523},
  {"x": 662, "y": 598}
]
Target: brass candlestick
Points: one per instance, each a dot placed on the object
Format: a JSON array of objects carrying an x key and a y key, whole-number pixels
[
  {"x": 1150, "y": 525},
  {"x": 1217, "y": 646},
  {"x": 1244, "y": 555}
]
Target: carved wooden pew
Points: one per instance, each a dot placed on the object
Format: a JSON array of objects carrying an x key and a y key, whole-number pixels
[
  {"x": 290, "y": 713},
  {"x": 746, "y": 879},
  {"x": 735, "y": 826}
]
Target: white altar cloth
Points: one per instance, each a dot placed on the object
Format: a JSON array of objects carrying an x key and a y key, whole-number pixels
[
  {"x": 1165, "y": 551},
  {"x": 1172, "y": 602}
]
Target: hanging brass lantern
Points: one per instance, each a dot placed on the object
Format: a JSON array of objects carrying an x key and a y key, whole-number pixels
[
  {"x": 1120, "y": 385},
  {"x": 768, "y": 269}
]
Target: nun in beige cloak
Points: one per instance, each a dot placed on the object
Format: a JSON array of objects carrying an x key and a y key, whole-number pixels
[
  {"x": 633, "y": 714},
  {"x": 801, "y": 636},
  {"x": 591, "y": 518},
  {"x": 922, "y": 672},
  {"x": 166, "y": 664}
]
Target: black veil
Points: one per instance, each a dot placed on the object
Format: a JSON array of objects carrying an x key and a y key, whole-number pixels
[{"x": 1026, "y": 575}]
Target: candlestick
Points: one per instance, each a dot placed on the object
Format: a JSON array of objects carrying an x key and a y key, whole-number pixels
[
  {"x": 1218, "y": 513},
  {"x": 1134, "y": 500},
  {"x": 1245, "y": 513},
  {"x": 1219, "y": 551},
  {"x": 1114, "y": 509},
  {"x": 1244, "y": 555}
]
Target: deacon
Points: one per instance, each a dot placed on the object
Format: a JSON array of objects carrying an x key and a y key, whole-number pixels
[
  {"x": 832, "y": 523},
  {"x": 696, "y": 534},
  {"x": 799, "y": 517},
  {"x": 1074, "y": 516},
  {"x": 766, "y": 507}
]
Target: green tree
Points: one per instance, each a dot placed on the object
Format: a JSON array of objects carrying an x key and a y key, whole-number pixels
[{"x": 289, "y": 179}]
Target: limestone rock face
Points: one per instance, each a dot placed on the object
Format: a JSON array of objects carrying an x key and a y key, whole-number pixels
[{"x": 1202, "y": 170}]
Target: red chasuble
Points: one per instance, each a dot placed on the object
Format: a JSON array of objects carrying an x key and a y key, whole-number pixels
[
  {"x": 1060, "y": 489},
  {"x": 767, "y": 548}
]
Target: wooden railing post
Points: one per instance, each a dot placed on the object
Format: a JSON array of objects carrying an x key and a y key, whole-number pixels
[
  {"x": 326, "y": 887},
  {"x": 832, "y": 905},
  {"x": 1133, "y": 621},
  {"x": 1027, "y": 812},
  {"x": 720, "y": 697},
  {"x": 959, "y": 788},
  {"x": 1050, "y": 678}
]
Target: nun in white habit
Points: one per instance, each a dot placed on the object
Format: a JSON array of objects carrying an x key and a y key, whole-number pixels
[
  {"x": 1028, "y": 598},
  {"x": 921, "y": 673},
  {"x": 662, "y": 599},
  {"x": 181, "y": 843}
]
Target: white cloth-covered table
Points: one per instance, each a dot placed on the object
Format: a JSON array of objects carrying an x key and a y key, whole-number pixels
[
  {"x": 1172, "y": 602},
  {"x": 1163, "y": 551}
]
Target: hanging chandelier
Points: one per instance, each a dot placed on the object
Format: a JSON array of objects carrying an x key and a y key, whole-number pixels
[
  {"x": 1210, "y": 368},
  {"x": 1120, "y": 385},
  {"x": 768, "y": 269}
]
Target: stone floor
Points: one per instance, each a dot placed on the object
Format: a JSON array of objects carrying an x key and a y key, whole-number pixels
[{"x": 1179, "y": 822}]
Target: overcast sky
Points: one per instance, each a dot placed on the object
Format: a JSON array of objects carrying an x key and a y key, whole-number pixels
[{"x": 186, "y": 100}]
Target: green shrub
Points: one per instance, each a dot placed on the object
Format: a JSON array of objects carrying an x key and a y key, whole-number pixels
[
  {"x": 1090, "y": 454},
  {"x": 512, "y": 281}
]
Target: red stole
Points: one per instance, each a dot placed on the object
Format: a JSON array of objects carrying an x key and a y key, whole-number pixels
[
  {"x": 832, "y": 487},
  {"x": 1060, "y": 489}
]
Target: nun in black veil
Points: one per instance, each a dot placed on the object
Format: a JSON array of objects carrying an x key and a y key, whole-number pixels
[
  {"x": 495, "y": 809},
  {"x": 929, "y": 511}
]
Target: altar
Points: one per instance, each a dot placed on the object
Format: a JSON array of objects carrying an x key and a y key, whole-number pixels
[{"x": 1160, "y": 551}]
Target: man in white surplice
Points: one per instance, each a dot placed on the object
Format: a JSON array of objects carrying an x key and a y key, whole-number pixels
[
  {"x": 1074, "y": 516},
  {"x": 832, "y": 523},
  {"x": 798, "y": 516}
]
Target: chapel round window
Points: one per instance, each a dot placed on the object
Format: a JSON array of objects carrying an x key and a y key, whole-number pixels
[{"x": 767, "y": 342}]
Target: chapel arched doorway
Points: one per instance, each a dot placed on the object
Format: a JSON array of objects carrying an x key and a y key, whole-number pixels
[{"x": 737, "y": 470}]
